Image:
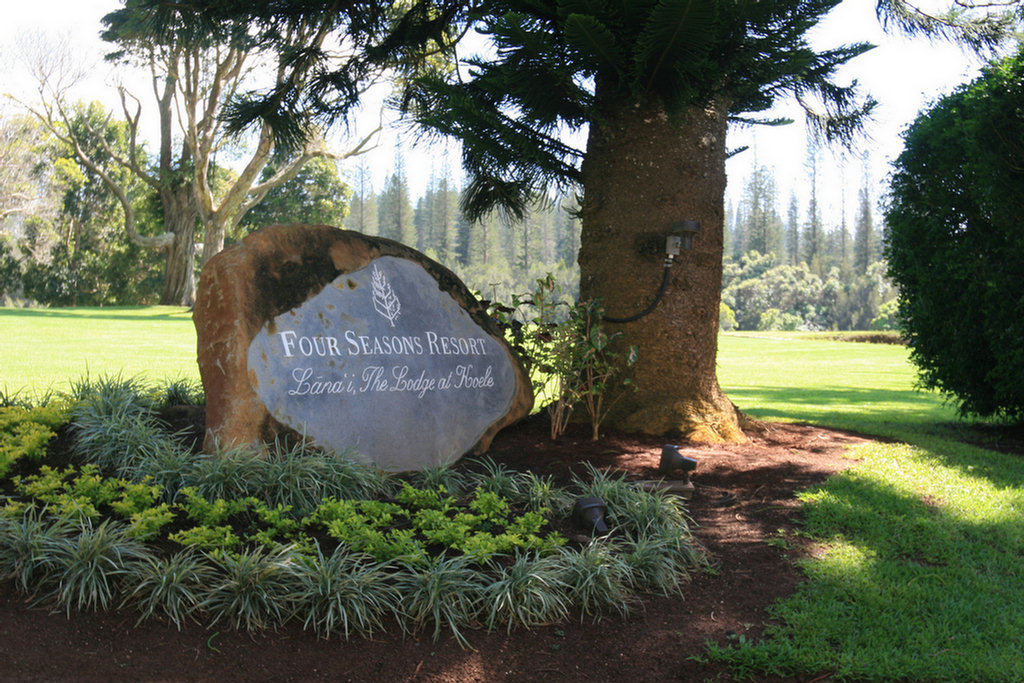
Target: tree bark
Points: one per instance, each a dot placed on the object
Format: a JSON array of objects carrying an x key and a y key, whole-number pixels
[
  {"x": 644, "y": 172},
  {"x": 180, "y": 215}
]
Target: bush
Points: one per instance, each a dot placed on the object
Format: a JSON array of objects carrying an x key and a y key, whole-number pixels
[{"x": 954, "y": 244}]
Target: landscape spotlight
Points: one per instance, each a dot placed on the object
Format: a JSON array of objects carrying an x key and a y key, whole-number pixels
[
  {"x": 589, "y": 514},
  {"x": 672, "y": 459}
]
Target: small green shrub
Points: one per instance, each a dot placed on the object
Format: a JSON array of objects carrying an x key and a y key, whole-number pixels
[{"x": 26, "y": 432}]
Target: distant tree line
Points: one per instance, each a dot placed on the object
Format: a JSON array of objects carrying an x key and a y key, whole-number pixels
[
  {"x": 62, "y": 241},
  {"x": 497, "y": 255},
  {"x": 789, "y": 271}
]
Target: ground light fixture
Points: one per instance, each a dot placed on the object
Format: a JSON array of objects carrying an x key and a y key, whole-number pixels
[
  {"x": 589, "y": 512},
  {"x": 672, "y": 460}
]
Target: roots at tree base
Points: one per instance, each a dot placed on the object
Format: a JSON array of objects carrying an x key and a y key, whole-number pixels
[{"x": 696, "y": 421}]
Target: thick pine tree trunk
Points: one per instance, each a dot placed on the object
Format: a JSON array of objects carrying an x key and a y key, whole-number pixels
[{"x": 644, "y": 172}]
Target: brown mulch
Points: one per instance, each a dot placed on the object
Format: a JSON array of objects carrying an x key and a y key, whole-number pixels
[{"x": 743, "y": 499}]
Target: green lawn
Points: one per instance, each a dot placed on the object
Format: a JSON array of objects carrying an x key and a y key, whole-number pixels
[
  {"x": 867, "y": 387},
  {"x": 46, "y": 348},
  {"x": 918, "y": 573}
]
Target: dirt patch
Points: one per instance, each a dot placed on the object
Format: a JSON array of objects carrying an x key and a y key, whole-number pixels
[{"x": 743, "y": 500}]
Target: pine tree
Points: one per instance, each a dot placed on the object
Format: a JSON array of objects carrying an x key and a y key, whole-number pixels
[
  {"x": 760, "y": 217},
  {"x": 566, "y": 227},
  {"x": 446, "y": 214},
  {"x": 865, "y": 240},
  {"x": 395, "y": 212},
  {"x": 813, "y": 237},
  {"x": 363, "y": 216},
  {"x": 793, "y": 252},
  {"x": 841, "y": 250}
]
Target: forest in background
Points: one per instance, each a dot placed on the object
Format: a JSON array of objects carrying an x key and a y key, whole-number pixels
[{"x": 62, "y": 240}]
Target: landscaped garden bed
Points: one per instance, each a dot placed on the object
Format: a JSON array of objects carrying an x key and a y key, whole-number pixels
[{"x": 120, "y": 511}]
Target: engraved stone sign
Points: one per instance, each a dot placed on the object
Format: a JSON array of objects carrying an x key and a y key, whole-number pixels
[
  {"x": 384, "y": 362},
  {"x": 379, "y": 355}
]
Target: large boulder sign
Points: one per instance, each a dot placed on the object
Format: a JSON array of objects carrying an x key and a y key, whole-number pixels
[{"x": 356, "y": 343}]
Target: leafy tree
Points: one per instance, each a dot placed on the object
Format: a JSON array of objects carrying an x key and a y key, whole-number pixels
[
  {"x": 955, "y": 246},
  {"x": 316, "y": 196},
  {"x": 196, "y": 74},
  {"x": 781, "y": 297},
  {"x": 24, "y": 180},
  {"x": 10, "y": 268},
  {"x": 74, "y": 252}
]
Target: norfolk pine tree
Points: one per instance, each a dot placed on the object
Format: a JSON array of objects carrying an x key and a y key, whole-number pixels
[{"x": 654, "y": 84}]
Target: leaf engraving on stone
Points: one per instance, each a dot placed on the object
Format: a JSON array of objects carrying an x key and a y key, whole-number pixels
[{"x": 384, "y": 300}]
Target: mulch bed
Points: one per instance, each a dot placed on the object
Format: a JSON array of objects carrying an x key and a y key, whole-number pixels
[{"x": 743, "y": 499}]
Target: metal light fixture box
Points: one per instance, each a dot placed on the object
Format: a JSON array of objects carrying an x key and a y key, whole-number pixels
[{"x": 682, "y": 236}]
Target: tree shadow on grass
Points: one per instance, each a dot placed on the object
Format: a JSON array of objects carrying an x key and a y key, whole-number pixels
[{"x": 906, "y": 587}]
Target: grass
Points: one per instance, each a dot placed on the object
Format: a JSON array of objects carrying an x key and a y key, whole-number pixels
[
  {"x": 917, "y": 574},
  {"x": 42, "y": 349},
  {"x": 856, "y": 386}
]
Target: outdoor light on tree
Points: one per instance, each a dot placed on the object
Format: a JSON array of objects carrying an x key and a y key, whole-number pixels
[{"x": 681, "y": 237}]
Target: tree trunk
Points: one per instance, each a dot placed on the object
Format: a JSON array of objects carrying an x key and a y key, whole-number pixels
[
  {"x": 180, "y": 215},
  {"x": 643, "y": 173}
]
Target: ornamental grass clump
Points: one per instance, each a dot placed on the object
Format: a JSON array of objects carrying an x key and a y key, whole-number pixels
[
  {"x": 226, "y": 474},
  {"x": 599, "y": 578},
  {"x": 345, "y": 592},
  {"x": 630, "y": 508},
  {"x": 87, "y": 566},
  {"x": 444, "y": 476},
  {"x": 168, "y": 588},
  {"x": 118, "y": 442},
  {"x": 528, "y": 592},
  {"x": 26, "y": 542},
  {"x": 660, "y": 560},
  {"x": 250, "y": 588},
  {"x": 444, "y": 593}
]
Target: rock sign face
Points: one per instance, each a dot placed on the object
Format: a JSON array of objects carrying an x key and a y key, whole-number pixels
[{"x": 356, "y": 343}]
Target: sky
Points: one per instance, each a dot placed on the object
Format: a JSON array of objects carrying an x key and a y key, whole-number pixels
[{"x": 904, "y": 75}]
